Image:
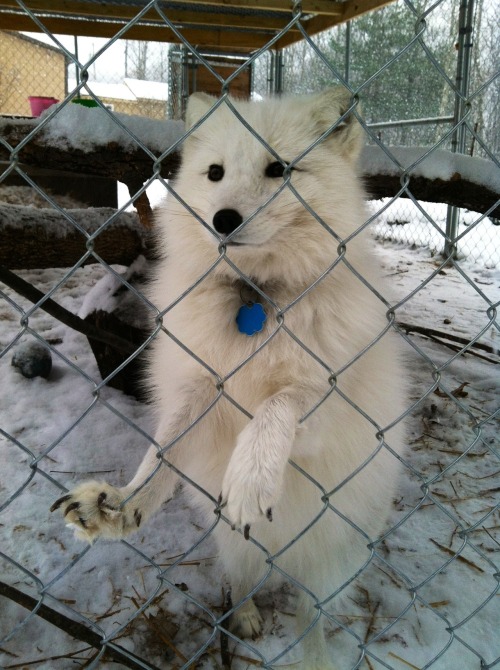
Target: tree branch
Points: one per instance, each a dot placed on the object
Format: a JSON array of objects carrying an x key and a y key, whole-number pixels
[
  {"x": 439, "y": 336},
  {"x": 77, "y": 630},
  {"x": 34, "y": 295}
]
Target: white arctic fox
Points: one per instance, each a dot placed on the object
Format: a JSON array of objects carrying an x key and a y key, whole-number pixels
[{"x": 285, "y": 428}]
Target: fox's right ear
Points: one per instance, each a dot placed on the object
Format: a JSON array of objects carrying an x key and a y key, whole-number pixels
[
  {"x": 327, "y": 107},
  {"x": 198, "y": 105}
]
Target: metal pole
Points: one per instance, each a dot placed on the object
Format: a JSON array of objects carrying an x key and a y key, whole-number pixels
[
  {"x": 465, "y": 27},
  {"x": 279, "y": 72},
  {"x": 270, "y": 73},
  {"x": 276, "y": 72},
  {"x": 347, "y": 64},
  {"x": 77, "y": 69}
]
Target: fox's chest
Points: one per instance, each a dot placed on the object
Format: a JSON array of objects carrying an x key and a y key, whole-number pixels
[{"x": 243, "y": 338}]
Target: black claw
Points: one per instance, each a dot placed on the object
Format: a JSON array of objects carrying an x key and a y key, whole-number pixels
[
  {"x": 101, "y": 498},
  {"x": 269, "y": 514},
  {"x": 219, "y": 500},
  {"x": 233, "y": 527},
  {"x": 137, "y": 517},
  {"x": 71, "y": 507},
  {"x": 82, "y": 521},
  {"x": 246, "y": 531},
  {"x": 59, "y": 502}
]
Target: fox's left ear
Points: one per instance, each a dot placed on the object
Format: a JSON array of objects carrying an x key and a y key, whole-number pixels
[
  {"x": 328, "y": 107},
  {"x": 198, "y": 105}
]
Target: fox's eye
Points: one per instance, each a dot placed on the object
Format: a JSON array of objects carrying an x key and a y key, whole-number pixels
[
  {"x": 275, "y": 170},
  {"x": 215, "y": 172}
]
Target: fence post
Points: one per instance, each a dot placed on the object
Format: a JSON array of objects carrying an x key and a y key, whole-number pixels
[
  {"x": 462, "y": 80},
  {"x": 347, "y": 57},
  {"x": 276, "y": 72}
]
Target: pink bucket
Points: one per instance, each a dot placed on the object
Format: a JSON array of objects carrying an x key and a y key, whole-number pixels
[{"x": 39, "y": 104}]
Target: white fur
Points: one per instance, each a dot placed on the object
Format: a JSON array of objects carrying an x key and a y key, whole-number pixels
[{"x": 283, "y": 249}]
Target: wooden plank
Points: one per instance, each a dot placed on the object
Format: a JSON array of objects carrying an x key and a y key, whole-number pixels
[
  {"x": 111, "y": 10},
  {"x": 161, "y": 33},
  {"x": 352, "y": 9},
  {"x": 327, "y": 7},
  {"x": 83, "y": 9},
  {"x": 135, "y": 167}
]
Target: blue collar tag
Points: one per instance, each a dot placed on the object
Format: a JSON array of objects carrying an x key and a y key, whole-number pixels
[{"x": 251, "y": 318}]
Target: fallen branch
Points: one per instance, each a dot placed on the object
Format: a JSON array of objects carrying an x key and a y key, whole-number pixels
[
  {"x": 225, "y": 655},
  {"x": 34, "y": 295},
  {"x": 112, "y": 341},
  {"x": 77, "y": 630},
  {"x": 438, "y": 336},
  {"x": 157, "y": 629},
  {"x": 457, "y": 557}
]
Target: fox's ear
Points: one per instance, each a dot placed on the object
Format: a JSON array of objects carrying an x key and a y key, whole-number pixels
[
  {"x": 328, "y": 107},
  {"x": 198, "y": 105}
]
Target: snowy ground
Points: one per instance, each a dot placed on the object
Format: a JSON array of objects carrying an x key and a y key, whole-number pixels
[
  {"x": 451, "y": 617},
  {"x": 424, "y": 225}
]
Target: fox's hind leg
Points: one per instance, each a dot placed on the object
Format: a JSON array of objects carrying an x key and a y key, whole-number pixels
[
  {"x": 246, "y": 622},
  {"x": 316, "y": 653},
  {"x": 245, "y": 567}
]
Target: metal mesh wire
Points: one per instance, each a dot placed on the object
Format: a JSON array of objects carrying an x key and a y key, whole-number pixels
[{"x": 149, "y": 599}]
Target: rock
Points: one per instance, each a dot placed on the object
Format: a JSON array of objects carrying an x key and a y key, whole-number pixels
[{"x": 32, "y": 359}]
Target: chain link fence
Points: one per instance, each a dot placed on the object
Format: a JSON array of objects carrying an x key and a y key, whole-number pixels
[{"x": 428, "y": 596}]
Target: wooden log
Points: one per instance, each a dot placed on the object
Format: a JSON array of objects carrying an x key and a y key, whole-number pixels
[
  {"x": 43, "y": 238},
  {"x": 109, "y": 160},
  {"x": 458, "y": 192},
  {"x": 131, "y": 167},
  {"x": 134, "y": 167}
]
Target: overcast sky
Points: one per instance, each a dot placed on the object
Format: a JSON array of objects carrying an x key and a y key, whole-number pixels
[{"x": 110, "y": 66}]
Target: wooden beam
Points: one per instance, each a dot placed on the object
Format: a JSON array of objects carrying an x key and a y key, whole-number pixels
[
  {"x": 112, "y": 10},
  {"x": 258, "y": 30},
  {"x": 135, "y": 167},
  {"x": 225, "y": 39},
  {"x": 79, "y": 9},
  {"x": 327, "y": 7},
  {"x": 352, "y": 9}
]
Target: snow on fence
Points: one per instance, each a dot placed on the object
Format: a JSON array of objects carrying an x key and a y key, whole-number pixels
[{"x": 427, "y": 598}]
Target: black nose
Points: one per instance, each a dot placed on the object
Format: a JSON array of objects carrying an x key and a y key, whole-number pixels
[{"x": 227, "y": 220}]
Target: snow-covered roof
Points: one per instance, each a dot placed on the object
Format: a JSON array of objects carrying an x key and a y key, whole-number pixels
[
  {"x": 105, "y": 90},
  {"x": 147, "y": 90},
  {"x": 129, "y": 89}
]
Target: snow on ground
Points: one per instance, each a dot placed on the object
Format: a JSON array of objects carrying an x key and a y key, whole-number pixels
[
  {"x": 424, "y": 225},
  {"x": 450, "y": 616}
]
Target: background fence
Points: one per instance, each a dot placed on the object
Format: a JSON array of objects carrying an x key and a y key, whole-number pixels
[{"x": 429, "y": 599}]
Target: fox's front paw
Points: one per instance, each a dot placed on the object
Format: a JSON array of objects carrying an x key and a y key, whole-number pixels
[
  {"x": 94, "y": 509},
  {"x": 249, "y": 494}
]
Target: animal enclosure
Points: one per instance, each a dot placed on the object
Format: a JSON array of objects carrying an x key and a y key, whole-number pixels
[{"x": 425, "y": 75}]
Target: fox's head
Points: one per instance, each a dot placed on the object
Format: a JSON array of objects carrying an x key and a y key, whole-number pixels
[{"x": 266, "y": 175}]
